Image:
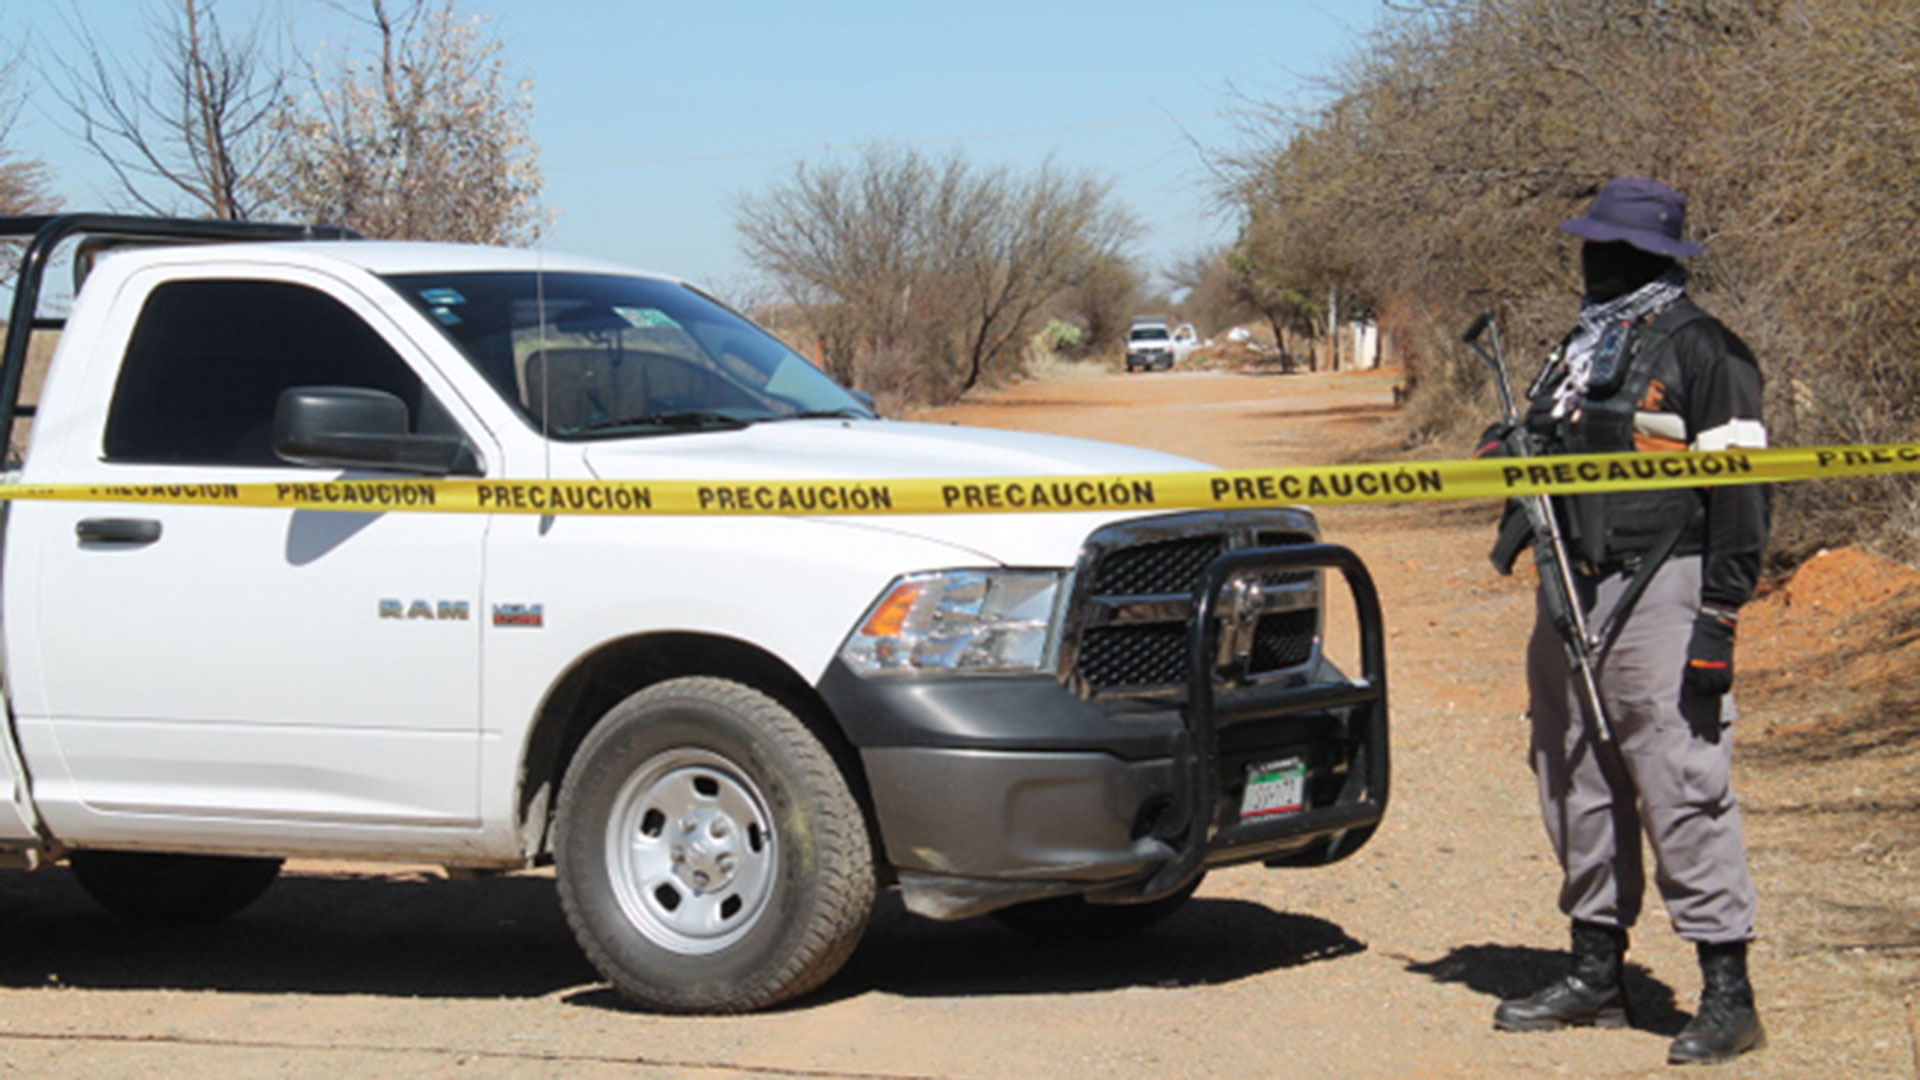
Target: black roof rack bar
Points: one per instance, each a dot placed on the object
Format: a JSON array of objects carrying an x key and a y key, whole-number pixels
[
  {"x": 160, "y": 228},
  {"x": 48, "y": 230}
]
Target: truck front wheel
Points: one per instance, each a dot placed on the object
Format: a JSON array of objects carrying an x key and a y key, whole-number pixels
[
  {"x": 709, "y": 853},
  {"x": 149, "y": 887}
]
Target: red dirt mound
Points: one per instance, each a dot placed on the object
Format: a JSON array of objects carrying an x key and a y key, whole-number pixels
[{"x": 1844, "y": 628}]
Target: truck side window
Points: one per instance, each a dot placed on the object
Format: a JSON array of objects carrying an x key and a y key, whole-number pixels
[{"x": 208, "y": 360}]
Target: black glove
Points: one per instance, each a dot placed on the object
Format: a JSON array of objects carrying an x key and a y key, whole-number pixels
[
  {"x": 1493, "y": 441},
  {"x": 1710, "y": 653},
  {"x": 1516, "y": 532}
]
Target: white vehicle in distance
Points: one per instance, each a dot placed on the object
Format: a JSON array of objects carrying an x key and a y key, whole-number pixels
[
  {"x": 1149, "y": 346},
  {"x": 1186, "y": 341}
]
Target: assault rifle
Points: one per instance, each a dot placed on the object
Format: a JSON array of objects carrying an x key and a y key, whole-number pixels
[{"x": 1550, "y": 547}]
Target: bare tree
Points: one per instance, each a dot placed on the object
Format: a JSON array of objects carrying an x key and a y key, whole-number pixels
[
  {"x": 1102, "y": 303},
  {"x": 1211, "y": 301},
  {"x": 849, "y": 238},
  {"x": 25, "y": 187},
  {"x": 1434, "y": 178},
  {"x": 932, "y": 276},
  {"x": 424, "y": 139},
  {"x": 191, "y": 126},
  {"x": 24, "y": 184},
  {"x": 1016, "y": 245}
]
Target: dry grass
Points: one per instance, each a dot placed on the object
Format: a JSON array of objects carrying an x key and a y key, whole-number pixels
[{"x": 1042, "y": 364}]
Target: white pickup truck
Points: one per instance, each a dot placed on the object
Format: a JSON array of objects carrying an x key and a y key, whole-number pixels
[
  {"x": 1149, "y": 346},
  {"x": 725, "y": 733}
]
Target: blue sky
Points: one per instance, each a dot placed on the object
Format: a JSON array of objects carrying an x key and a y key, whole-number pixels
[{"x": 654, "y": 119}]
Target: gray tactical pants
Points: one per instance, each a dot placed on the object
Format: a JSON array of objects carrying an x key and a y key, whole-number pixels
[{"x": 1667, "y": 771}]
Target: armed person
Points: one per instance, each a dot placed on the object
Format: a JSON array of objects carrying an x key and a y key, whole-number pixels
[{"x": 1631, "y": 727}]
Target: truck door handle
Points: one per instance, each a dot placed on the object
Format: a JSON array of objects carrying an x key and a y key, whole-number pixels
[{"x": 117, "y": 530}]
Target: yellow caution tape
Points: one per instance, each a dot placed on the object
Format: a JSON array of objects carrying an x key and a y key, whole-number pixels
[{"x": 1489, "y": 478}]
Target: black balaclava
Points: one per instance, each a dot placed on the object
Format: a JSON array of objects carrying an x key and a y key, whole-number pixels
[{"x": 1615, "y": 268}]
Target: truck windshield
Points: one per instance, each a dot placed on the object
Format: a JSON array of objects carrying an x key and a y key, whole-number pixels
[
  {"x": 585, "y": 356},
  {"x": 1153, "y": 333}
]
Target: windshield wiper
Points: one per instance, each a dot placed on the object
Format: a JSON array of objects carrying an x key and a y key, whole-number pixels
[
  {"x": 847, "y": 412},
  {"x": 685, "y": 420}
]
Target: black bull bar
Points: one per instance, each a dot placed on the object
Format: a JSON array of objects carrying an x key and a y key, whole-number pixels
[{"x": 1362, "y": 800}]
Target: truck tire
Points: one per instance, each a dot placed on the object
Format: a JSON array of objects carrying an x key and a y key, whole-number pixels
[
  {"x": 1072, "y": 918},
  {"x": 710, "y": 856},
  {"x": 173, "y": 890}
]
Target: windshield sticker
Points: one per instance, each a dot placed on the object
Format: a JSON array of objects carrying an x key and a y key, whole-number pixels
[
  {"x": 790, "y": 380},
  {"x": 446, "y": 316},
  {"x": 442, "y": 297},
  {"x": 647, "y": 318}
]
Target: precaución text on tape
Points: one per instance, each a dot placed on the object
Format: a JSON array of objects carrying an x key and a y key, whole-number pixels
[{"x": 1486, "y": 478}]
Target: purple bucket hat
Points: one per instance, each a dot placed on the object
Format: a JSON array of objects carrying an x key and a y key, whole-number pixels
[{"x": 1645, "y": 213}]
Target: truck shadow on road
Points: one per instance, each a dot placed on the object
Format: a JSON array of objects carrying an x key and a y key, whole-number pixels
[
  {"x": 403, "y": 934},
  {"x": 420, "y": 935},
  {"x": 1510, "y": 971},
  {"x": 1209, "y": 941}
]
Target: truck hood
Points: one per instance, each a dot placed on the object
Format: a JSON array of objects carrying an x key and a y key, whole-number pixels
[{"x": 860, "y": 450}]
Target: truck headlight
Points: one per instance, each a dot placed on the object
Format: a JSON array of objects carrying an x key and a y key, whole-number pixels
[{"x": 960, "y": 621}]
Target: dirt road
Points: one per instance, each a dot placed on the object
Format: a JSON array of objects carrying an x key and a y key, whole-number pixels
[{"x": 1387, "y": 965}]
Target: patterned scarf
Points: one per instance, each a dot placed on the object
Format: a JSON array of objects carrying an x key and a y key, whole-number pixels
[{"x": 1592, "y": 352}]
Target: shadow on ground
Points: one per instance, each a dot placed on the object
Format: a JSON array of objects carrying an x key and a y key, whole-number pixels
[
  {"x": 1887, "y": 724},
  {"x": 1209, "y": 941},
  {"x": 1508, "y": 971},
  {"x": 411, "y": 935},
  {"x": 420, "y": 935}
]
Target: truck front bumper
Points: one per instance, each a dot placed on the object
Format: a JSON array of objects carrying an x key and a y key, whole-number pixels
[{"x": 992, "y": 791}]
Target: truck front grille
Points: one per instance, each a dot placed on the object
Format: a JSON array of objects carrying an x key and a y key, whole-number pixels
[
  {"x": 1170, "y": 566},
  {"x": 1131, "y": 657},
  {"x": 1135, "y": 593},
  {"x": 1286, "y": 640}
]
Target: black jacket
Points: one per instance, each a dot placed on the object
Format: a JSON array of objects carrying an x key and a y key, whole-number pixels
[{"x": 1689, "y": 384}]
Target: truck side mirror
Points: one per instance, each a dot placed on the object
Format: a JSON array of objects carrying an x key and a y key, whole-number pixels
[{"x": 354, "y": 427}]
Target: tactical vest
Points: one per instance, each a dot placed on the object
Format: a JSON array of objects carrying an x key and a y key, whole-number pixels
[{"x": 1607, "y": 528}]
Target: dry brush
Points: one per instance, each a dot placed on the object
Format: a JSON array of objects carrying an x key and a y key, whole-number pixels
[{"x": 1433, "y": 182}]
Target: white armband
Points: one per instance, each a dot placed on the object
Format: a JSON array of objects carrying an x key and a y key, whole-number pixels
[{"x": 1740, "y": 434}]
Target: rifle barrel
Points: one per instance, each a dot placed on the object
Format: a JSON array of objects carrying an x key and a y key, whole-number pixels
[{"x": 1550, "y": 546}]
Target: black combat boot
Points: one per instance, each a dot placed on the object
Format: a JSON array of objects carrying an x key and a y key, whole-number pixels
[
  {"x": 1726, "y": 1024},
  {"x": 1592, "y": 993}
]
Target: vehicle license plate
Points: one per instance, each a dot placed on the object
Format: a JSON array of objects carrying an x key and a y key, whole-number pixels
[{"x": 1275, "y": 787}]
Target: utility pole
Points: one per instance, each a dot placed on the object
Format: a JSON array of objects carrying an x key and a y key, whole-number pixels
[{"x": 1333, "y": 326}]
